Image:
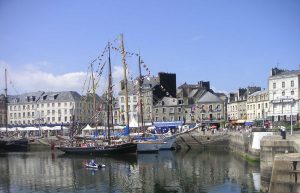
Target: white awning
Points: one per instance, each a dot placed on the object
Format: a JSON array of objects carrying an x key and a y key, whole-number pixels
[
  {"x": 88, "y": 128},
  {"x": 240, "y": 121}
]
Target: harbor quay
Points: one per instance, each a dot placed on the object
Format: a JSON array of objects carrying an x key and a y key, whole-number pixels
[{"x": 278, "y": 157}]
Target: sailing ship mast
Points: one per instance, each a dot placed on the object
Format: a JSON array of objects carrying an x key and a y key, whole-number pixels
[
  {"x": 94, "y": 97},
  {"x": 6, "y": 104},
  {"x": 109, "y": 97},
  {"x": 125, "y": 83},
  {"x": 140, "y": 93}
]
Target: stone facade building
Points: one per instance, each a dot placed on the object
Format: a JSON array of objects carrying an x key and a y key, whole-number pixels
[
  {"x": 201, "y": 104},
  {"x": 258, "y": 106},
  {"x": 147, "y": 97},
  {"x": 168, "y": 109},
  {"x": 237, "y": 104}
]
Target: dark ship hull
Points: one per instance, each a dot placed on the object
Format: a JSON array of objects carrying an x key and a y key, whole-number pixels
[{"x": 101, "y": 150}]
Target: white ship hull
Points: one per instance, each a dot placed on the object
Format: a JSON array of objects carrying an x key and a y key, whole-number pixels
[{"x": 148, "y": 147}]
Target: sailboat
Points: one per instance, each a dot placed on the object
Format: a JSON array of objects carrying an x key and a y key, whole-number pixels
[
  {"x": 7, "y": 143},
  {"x": 103, "y": 149}
]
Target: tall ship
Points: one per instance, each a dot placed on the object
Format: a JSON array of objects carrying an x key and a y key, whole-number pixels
[{"x": 98, "y": 147}]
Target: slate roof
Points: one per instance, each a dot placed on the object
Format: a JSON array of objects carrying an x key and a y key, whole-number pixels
[
  {"x": 148, "y": 83},
  {"x": 286, "y": 72},
  {"x": 41, "y": 96},
  {"x": 259, "y": 93},
  {"x": 209, "y": 97}
]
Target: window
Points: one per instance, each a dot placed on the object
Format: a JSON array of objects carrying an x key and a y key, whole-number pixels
[
  {"x": 283, "y": 93},
  {"x": 134, "y": 99},
  {"x": 48, "y": 104},
  {"x": 292, "y": 92},
  {"x": 274, "y": 85},
  {"x": 58, "y": 104},
  {"x": 53, "y": 112},
  {"x": 258, "y": 106},
  {"x": 172, "y": 110},
  {"x": 164, "y": 110},
  {"x": 53, "y": 104},
  {"x": 266, "y": 105},
  {"x": 156, "y": 111},
  {"x": 122, "y": 99},
  {"x": 179, "y": 110},
  {"x": 283, "y": 84},
  {"x": 292, "y": 83}
]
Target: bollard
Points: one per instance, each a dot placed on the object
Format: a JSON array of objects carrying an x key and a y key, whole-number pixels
[{"x": 283, "y": 134}]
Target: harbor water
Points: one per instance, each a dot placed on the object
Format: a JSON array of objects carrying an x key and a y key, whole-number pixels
[{"x": 205, "y": 171}]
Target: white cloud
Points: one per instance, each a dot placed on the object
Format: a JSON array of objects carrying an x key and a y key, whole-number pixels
[{"x": 32, "y": 79}]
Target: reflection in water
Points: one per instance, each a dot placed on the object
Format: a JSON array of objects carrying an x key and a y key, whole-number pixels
[{"x": 167, "y": 171}]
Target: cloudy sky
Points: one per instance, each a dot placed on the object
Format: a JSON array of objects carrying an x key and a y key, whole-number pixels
[{"x": 48, "y": 45}]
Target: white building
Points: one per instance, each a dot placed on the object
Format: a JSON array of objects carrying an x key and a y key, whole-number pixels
[
  {"x": 49, "y": 108},
  {"x": 284, "y": 95}
]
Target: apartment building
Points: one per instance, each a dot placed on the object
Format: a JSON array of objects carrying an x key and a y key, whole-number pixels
[
  {"x": 49, "y": 108},
  {"x": 284, "y": 95},
  {"x": 258, "y": 106}
]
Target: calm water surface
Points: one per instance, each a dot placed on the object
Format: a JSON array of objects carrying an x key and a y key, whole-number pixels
[{"x": 168, "y": 171}]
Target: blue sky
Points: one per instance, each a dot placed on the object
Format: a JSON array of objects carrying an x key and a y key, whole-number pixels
[{"x": 231, "y": 43}]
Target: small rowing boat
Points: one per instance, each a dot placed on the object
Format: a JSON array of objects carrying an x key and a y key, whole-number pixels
[{"x": 94, "y": 165}]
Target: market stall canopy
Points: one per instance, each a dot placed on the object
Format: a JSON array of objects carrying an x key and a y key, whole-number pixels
[
  {"x": 167, "y": 124},
  {"x": 133, "y": 123},
  {"x": 88, "y": 128},
  {"x": 28, "y": 129},
  {"x": 3, "y": 129}
]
